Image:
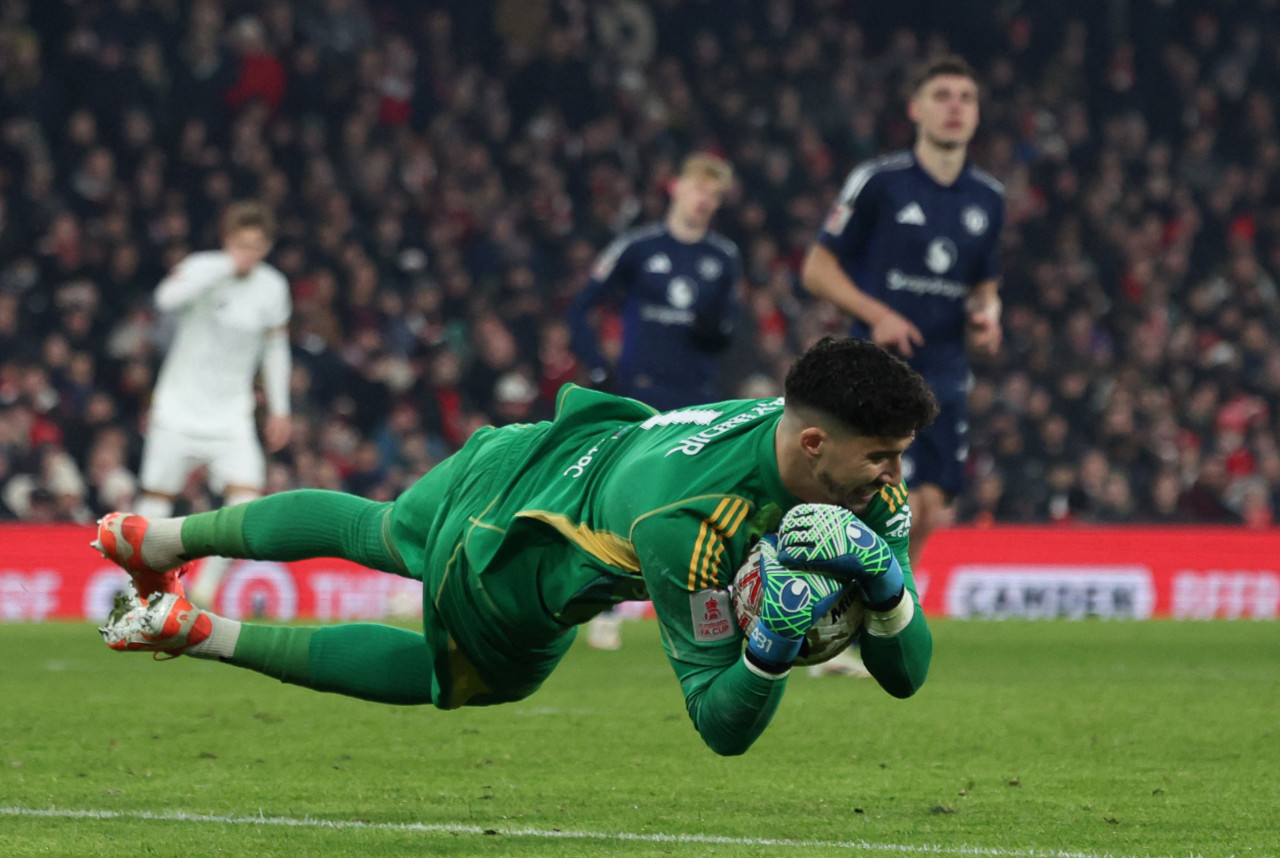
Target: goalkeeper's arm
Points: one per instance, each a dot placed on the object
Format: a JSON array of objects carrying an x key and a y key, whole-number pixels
[
  {"x": 897, "y": 646},
  {"x": 732, "y": 706}
]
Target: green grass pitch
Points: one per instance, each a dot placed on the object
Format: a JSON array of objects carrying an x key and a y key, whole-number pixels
[{"x": 1029, "y": 739}]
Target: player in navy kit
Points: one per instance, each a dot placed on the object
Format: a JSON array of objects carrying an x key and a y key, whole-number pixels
[
  {"x": 911, "y": 250},
  {"x": 673, "y": 282}
]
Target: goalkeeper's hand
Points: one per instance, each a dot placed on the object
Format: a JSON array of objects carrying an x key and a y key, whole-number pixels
[
  {"x": 830, "y": 540},
  {"x": 790, "y": 602}
]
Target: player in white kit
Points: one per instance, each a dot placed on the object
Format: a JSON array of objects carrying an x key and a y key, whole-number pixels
[{"x": 233, "y": 318}]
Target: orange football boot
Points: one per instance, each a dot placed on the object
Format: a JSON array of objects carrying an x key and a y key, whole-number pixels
[
  {"x": 119, "y": 540},
  {"x": 169, "y": 624}
]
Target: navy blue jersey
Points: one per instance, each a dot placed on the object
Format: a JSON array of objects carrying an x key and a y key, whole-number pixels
[
  {"x": 677, "y": 307},
  {"x": 919, "y": 247}
]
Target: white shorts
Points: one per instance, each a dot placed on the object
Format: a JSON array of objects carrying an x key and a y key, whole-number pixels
[{"x": 169, "y": 456}]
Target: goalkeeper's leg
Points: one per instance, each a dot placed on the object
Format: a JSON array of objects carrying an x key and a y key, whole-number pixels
[
  {"x": 287, "y": 526},
  {"x": 365, "y": 660}
]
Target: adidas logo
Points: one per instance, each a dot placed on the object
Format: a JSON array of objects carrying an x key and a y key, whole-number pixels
[{"x": 912, "y": 213}]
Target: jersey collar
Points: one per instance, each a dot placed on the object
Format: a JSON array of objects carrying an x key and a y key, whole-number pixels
[{"x": 928, "y": 177}]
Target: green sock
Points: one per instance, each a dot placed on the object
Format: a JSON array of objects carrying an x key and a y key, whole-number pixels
[
  {"x": 296, "y": 526},
  {"x": 279, "y": 651},
  {"x": 364, "y": 660}
]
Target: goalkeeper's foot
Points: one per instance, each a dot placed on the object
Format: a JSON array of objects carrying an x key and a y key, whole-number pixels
[
  {"x": 165, "y": 623},
  {"x": 120, "y": 537}
]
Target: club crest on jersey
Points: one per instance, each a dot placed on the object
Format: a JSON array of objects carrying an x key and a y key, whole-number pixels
[
  {"x": 911, "y": 213},
  {"x": 941, "y": 255},
  {"x": 682, "y": 292},
  {"x": 974, "y": 219},
  {"x": 659, "y": 263},
  {"x": 709, "y": 268}
]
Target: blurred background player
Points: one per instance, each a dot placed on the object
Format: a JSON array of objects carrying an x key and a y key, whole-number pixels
[
  {"x": 911, "y": 250},
  {"x": 673, "y": 283},
  {"x": 233, "y": 311}
]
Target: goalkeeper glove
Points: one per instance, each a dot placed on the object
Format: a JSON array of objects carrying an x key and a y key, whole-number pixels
[
  {"x": 830, "y": 540},
  {"x": 790, "y": 602}
]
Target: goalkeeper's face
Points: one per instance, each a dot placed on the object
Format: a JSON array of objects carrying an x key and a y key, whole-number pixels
[{"x": 850, "y": 469}]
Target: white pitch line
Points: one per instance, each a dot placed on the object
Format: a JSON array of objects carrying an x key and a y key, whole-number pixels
[{"x": 548, "y": 833}]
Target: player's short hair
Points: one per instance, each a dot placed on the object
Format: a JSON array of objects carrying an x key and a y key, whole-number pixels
[
  {"x": 951, "y": 64},
  {"x": 706, "y": 165},
  {"x": 249, "y": 215},
  {"x": 862, "y": 387}
]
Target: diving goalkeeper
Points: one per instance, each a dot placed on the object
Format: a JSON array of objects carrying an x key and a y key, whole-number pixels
[{"x": 532, "y": 529}]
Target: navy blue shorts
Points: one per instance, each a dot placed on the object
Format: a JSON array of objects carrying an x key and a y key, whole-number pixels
[{"x": 939, "y": 452}]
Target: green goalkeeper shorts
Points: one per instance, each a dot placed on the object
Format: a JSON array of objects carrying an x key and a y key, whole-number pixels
[{"x": 491, "y": 639}]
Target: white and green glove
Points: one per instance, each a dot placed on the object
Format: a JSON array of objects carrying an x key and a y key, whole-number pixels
[
  {"x": 832, "y": 541},
  {"x": 790, "y": 602}
]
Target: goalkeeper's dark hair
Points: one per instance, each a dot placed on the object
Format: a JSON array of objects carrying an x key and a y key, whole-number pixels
[{"x": 861, "y": 386}]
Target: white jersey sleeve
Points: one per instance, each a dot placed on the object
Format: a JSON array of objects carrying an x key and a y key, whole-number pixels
[
  {"x": 205, "y": 385},
  {"x": 191, "y": 278}
]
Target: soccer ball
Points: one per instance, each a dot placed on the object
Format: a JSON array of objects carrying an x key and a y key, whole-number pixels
[{"x": 833, "y": 631}]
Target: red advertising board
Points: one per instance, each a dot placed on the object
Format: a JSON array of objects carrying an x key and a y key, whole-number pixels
[
  {"x": 49, "y": 572},
  {"x": 1134, "y": 572}
]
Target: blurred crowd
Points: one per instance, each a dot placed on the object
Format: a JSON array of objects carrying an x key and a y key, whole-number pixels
[{"x": 445, "y": 174}]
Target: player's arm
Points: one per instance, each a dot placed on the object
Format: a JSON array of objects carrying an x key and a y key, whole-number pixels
[
  {"x": 277, "y": 363},
  {"x": 983, "y": 304},
  {"x": 276, "y": 368},
  {"x": 684, "y": 559},
  {"x": 607, "y": 275},
  {"x": 897, "y": 645},
  {"x": 983, "y": 307},
  {"x": 846, "y": 231},
  {"x": 823, "y": 276},
  {"x": 191, "y": 278}
]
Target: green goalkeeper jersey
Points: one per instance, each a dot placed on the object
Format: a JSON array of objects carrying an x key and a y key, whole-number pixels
[{"x": 611, "y": 501}]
